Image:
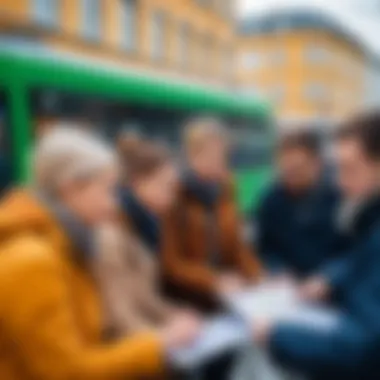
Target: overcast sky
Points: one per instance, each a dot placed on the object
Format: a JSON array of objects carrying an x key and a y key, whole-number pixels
[{"x": 362, "y": 16}]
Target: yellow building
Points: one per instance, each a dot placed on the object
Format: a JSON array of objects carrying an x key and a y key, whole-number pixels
[
  {"x": 310, "y": 66},
  {"x": 182, "y": 39}
]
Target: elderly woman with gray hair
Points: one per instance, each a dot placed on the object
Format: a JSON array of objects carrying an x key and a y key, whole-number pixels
[{"x": 52, "y": 314}]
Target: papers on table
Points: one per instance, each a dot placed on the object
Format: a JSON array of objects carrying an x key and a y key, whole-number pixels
[
  {"x": 314, "y": 317},
  {"x": 265, "y": 301},
  {"x": 277, "y": 304},
  {"x": 220, "y": 335}
]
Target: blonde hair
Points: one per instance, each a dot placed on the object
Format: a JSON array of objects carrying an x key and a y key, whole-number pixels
[
  {"x": 199, "y": 131},
  {"x": 67, "y": 153}
]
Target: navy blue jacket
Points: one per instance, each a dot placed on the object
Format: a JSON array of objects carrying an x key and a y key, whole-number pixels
[
  {"x": 353, "y": 349},
  {"x": 296, "y": 234}
]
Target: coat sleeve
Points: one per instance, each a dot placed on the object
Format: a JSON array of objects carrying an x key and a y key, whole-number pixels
[
  {"x": 179, "y": 270},
  {"x": 364, "y": 296},
  {"x": 312, "y": 352},
  {"x": 244, "y": 258},
  {"x": 37, "y": 314},
  {"x": 118, "y": 284},
  {"x": 151, "y": 300},
  {"x": 353, "y": 341},
  {"x": 266, "y": 248},
  {"x": 340, "y": 271}
]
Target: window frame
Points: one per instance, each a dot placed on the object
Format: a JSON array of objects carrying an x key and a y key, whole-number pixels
[
  {"x": 129, "y": 25},
  {"x": 158, "y": 34},
  {"x": 91, "y": 27},
  {"x": 184, "y": 45},
  {"x": 46, "y": 13}
]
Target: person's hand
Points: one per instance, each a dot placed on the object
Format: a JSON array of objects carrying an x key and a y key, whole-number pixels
[
  {"x": 230, "y": 283},
  {"x": 284, "y": 283},
  {"x": 182, "y": 330},
  {"x": 280, "y": 279},
  {"x": 261, "y": 330},
  {"x": 180, "y": 313},
  {"x": 314, "y": 289}
]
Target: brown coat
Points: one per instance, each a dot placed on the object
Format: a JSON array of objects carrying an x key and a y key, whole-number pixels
[
  {"x": 185, "y": 249},
  {"x": 127, "y": 275}
]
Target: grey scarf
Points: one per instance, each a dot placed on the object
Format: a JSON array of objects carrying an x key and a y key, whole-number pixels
[{"x": 79, "y": 234}]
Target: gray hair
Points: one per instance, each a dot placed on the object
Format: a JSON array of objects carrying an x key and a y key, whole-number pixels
[
  {"x": 202, "y": 128},
  {"x": 67, "y": 153}
]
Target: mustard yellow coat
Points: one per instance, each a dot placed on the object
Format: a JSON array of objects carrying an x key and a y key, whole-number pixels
[{"x": 50, "y": 313}]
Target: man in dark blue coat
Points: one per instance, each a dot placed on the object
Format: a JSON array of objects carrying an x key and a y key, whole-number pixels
[
  {"x": 351, "y": 348},
  {"x": 295, "y": 221}
]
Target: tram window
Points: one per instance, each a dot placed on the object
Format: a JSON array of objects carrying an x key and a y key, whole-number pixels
[
  {"x": 6, "y": 173},
  {"x": 252, "y": 144},
  {"x": 109, "y": 117},
  {"x": 106, "y": 116}
]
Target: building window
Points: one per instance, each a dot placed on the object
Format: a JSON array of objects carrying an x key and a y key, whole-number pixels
[
  {"x": 227, "y": 9},
  {"x": 206, "y": 54},
  {"x": 250, "y": 60},
  {"x": 91, "y": 19},
  {"x": 228, "y": 62},
  {"x": 46, "y": 12},
  {"x": 316, "y": 54},
  {"x": 204, "y": 3},
  {"x": 277, "y": 94},
  {"x": 315, "y": 91},
  {"x": 129, "y": 24},
  {"x": 184, "y": 34},
  {"x": 158, "y": 31},
  {"x": 277, "y": 57},
  {"x": 250, "y": 91}
]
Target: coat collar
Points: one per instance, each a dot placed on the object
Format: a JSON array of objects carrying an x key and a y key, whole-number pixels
[
  {"x": 367, "y": 215},
  {"x": 25, "y": 210},
  {"x": 144, "y": 222},
  {"x": 206, "y": 192},
  {"x": 80, "y": 236}
]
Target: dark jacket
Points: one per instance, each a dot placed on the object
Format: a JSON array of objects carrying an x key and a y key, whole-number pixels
[
  {"x": 296, "y": 234},
  {"x": 352, "y": 350},
  {"x": 341, "y": 271},
  {"x": 143, "y": 222},
  {"x": 5, "y": 174}
]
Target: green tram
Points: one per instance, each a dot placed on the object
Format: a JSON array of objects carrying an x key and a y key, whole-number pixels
[{"x": 37, "y": 88}]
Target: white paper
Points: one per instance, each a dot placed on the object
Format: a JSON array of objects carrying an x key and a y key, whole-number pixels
[
  {"x": 277, "y": 304},
  {"x": 320, "y": 318},
  {"x": 220, "y": 335},
  {"x": 265, "y": 301}
]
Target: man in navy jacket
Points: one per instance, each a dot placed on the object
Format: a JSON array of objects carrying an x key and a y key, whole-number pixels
[
  {"x": 296, "y": 226},
  {"x": 351, "y": 349}
]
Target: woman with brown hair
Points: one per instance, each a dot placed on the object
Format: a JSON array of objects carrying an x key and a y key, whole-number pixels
[
  {"x": 126, "y": 266},
  {"x": 147, "y": 199}
]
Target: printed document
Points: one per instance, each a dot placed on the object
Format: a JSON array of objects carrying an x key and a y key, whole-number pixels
[
  {"x": 234, "y": 329},
  {"x": 220, "y": 335},
  {"x": 281, "y": 304}
]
